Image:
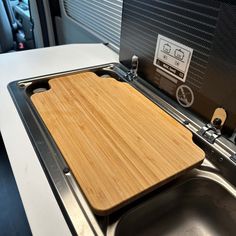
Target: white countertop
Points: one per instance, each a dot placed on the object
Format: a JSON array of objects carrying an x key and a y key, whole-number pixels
[{"x": 42, "y": 210}]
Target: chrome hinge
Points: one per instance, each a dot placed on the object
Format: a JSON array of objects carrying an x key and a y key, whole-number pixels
[
  {"x": 233, "y": 137},
  {"x": 133, "y": 72},
  {"x": 212, "y": 131},
  {"x": 233, "y": 157},
  {"x": 209, "y": 132}
]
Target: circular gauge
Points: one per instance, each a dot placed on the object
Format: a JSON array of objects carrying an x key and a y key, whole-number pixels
[{"x": 185, "y": 96}]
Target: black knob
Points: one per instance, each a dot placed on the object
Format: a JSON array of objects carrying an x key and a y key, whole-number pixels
[{"x": 217, "y": 122}]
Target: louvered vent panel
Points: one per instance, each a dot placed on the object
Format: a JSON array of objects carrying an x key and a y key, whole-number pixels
[{"x": 101, "y": 17}]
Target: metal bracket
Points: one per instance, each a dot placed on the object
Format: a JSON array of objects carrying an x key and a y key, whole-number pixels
[
  {"x": 132, "y": 73},
  {"x": 212, "y": 130},
  {"x": 233, "y": 137},
  {"x": 233, "y": 158},
  {"x": 209, "y": 132}
]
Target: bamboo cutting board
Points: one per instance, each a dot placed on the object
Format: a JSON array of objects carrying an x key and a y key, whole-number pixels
[{"x": 118, "y": 144}]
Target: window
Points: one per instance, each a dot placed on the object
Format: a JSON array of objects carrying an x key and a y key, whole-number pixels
[{"x": 102, "y": 17}]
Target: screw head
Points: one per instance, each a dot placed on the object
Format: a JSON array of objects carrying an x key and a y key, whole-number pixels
[
  {"x": 186, "y": 122},
  {"x": 66, "y": 170}
]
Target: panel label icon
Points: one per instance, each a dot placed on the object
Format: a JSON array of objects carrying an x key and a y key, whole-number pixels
[
  {"x": 185, "y": 96},
  {"x": 172, "y": 57}
]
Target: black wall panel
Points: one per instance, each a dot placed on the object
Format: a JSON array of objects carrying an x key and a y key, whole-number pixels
[{"x": 206, "y": 26}]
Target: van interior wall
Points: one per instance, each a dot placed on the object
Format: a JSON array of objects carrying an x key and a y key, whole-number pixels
[{"x": 69, "y": 31}]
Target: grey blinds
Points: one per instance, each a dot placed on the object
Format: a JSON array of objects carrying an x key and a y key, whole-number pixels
[{"x": 102, "y": 17}]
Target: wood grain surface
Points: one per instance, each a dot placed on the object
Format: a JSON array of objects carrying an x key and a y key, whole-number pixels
[{"x": 118, "y": 144}]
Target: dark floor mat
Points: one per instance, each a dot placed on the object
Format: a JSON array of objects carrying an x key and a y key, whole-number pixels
[{"x": 13, "y": 220}]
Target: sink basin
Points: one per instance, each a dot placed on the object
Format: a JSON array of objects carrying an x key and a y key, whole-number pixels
[{"x": 197, "y": 206}]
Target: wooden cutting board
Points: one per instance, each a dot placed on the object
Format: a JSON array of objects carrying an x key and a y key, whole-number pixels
[{"x": 118, "y": 144}]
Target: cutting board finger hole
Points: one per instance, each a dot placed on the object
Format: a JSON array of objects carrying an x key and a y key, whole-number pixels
[{"x": 38, "y": 87}]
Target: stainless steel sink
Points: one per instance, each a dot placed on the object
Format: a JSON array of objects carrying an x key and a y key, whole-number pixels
[{"x": 200, "y": 203}]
